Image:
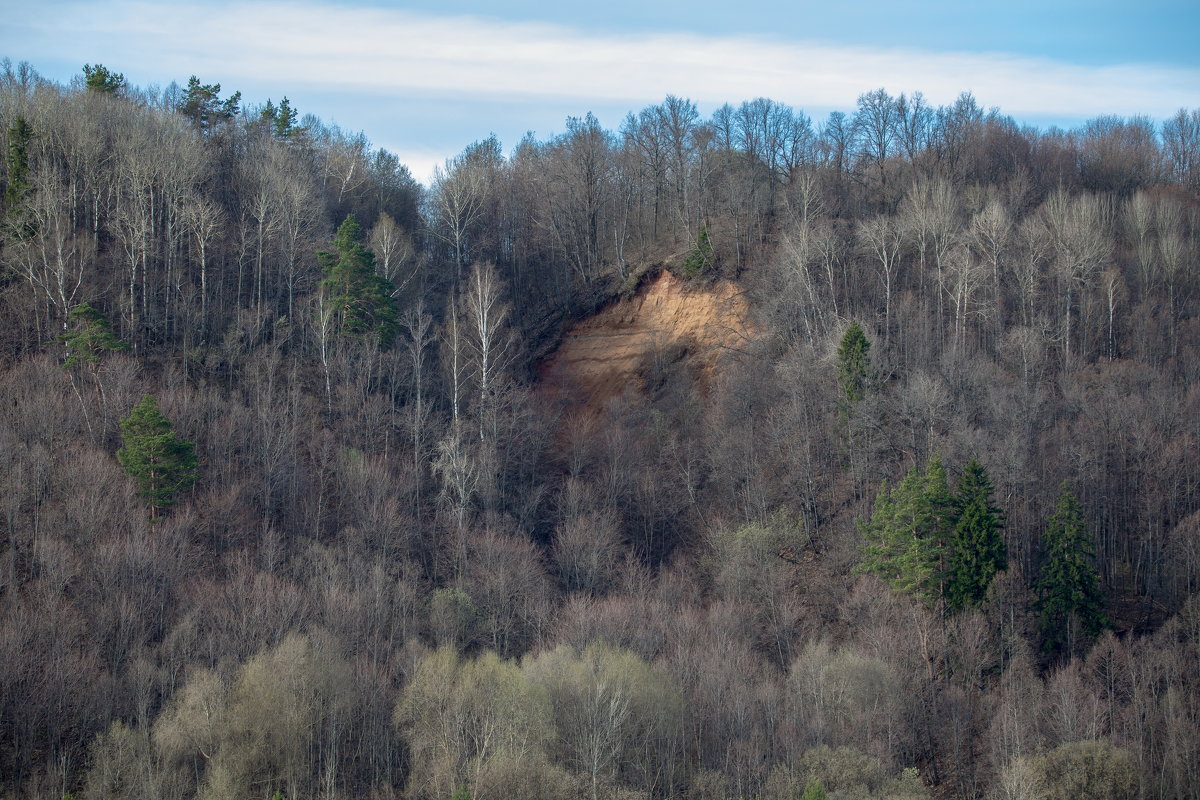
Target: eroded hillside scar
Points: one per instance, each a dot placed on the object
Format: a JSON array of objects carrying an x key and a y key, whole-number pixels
[{"x": 603, "y": 356}]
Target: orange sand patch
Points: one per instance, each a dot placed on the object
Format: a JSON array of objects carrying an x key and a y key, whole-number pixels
[{"x": 606, "y": 354}]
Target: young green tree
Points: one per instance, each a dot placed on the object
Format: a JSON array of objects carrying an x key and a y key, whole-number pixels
[
  {"x": 1095, "y": 769},
  {"x": 162, "y": 464},
  {"x": 285, "y": 119},
  {"x": 908, "y": 536},
  {"x": 977, "y": 549},
  {"x": 854, "y": 366},
  {"x": 1068, "y": 586},
  {"x": 102, "y": 80},
  {"x": 814, "y": 791},
  {"x": 203, "y": 105},
  {"x": 361, "y": 300},
  {"x": 702, "y": 259},
  {"x": 281, "y": 119},
  {"x": 461, "y": 717},
  {"x": 89, "y": 336},
  {"x": 613, "y": 713}
]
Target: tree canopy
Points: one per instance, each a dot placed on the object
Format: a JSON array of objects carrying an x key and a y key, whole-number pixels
[
  {"x": 640, "y": 578},
  {"x": 931, "y": 544},
  {"x": 90, "y": 336},
  {"x": 361, "y": 300},
  {"x": 160, "y": 463},
  {"x": 977, "y": 549},
  {"x": 202, "y": 104},
  {"x": 102, "y": 80},
  {"x": 908, "y": 533},
  {"x": 854, "y": 365},
  {"x": 1068, "y": 585}
]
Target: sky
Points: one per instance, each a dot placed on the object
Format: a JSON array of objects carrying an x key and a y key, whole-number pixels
[{"x": 426, "y": 78}]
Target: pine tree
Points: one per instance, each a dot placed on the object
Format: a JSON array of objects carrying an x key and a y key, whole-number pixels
[
  {"x": 908, "y": 535},
  {"x": 162, "y": 464},
  {"x": 977, "y": 549},
  {"x": 280, "y": 120},
  {"x": 203, "y": 105},
  {"x": 102, "y": 80},
  {"x": 361, "y": 299},
  {"x": 91, "y": 335},
  {"x": 1068, "y": 586},
  {"x": 285, "y": 119}
]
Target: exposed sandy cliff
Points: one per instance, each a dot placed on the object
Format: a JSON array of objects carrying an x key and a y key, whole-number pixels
[{"x": 613, "y": 351}]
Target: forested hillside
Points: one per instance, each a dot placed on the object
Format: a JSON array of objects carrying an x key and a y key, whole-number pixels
[{"x": 286, "y": 511}]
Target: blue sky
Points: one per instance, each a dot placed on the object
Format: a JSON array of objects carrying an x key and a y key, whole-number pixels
[{"x": 426, "y": 78}]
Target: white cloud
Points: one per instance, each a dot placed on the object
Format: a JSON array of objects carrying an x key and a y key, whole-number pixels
[
  {"x": 421, "y": 162},
  {"x": 394, "y": 52}
]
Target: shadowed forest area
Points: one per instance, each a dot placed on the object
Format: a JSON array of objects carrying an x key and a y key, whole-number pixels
[{"x": 286, "y": 511}]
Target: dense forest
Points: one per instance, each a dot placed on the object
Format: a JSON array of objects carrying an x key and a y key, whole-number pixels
[{"x": 285, "y": 511}]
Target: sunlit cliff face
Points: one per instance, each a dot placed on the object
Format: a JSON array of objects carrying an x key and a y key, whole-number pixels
[{"x": 609, "y": 353}]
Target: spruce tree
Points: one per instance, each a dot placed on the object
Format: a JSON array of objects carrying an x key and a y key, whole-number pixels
[
  {"x": 1068, "y": 585},
  {"x": 279, "y": 120},
  {"x": 854, "y": 366},
  {"x": 161, "y": 464},
  {"x": 285, "y": 119},
  {"x": 267, "y": 115},
  {"x": 977, "y": 549},
  {"x": 908, "y": 534}
]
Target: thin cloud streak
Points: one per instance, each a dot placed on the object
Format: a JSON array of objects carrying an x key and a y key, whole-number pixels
[{"x": 401, "y": 53}]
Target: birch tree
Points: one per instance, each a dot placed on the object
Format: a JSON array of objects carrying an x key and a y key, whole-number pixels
[
  {"x": 490, "y": 344},
  {"x": 882, "y": 237}
]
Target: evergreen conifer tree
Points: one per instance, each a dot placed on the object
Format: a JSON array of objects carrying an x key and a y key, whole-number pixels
[
  {"x": 17, "y": 186},
  {"x": 702, "y": 259},
  {"x": 162, "y": 464},
  {"x": 280, "y": 120},
  {"x": 815, "y": 790},
  {"x": 285, "y": 119},
  {"x": 977, "y": 549},
  {"x": 203, "y": 105},
  {"x": 908, "y": 535},
  {"x": 854, "y": 366},
  {"x": 267, "y": 115},
  {"x": 91, "y": 335},
  {"x": 1067, "y": 585},
  {"x": 361, "y": 299},
  {"x": 102, "y": 80}
]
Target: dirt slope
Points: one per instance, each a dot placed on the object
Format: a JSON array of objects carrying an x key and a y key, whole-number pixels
[{"x": 612, "y": 351}]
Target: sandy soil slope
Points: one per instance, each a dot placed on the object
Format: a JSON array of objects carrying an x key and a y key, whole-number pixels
[{"x": 612, "y": 351}]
